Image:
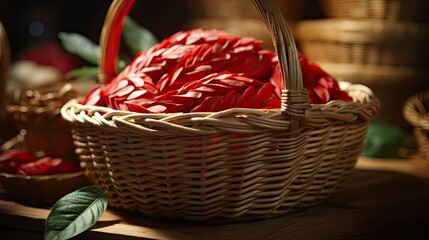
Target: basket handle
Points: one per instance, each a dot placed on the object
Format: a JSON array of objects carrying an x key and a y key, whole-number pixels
[{"x": 294, "y": 96}]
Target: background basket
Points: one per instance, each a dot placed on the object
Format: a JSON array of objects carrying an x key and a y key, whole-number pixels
[
  {"x": 416, "y": 113},
  {"x": 403, "y": 10},
  {"x": 37, "y": 113},
  {"x": 43, "y": 133},
  {"x": 236, "y": 164},
  {"x": 364, "y": 41}
]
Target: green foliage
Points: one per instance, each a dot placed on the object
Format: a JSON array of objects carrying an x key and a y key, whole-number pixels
[
  {"x": 80, "y": 46},
  {"x": 136, "y": 38},
  {"x": 383, "y": 140},
  {"x": 75, "y": 213}
]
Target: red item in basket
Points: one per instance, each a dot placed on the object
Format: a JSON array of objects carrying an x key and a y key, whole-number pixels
[
  {"x": 321, "y": 86},
  {"x": 205, "y": 71},
  {"x": 10, "y": 160},
  {"x": 47, "y": 166}
]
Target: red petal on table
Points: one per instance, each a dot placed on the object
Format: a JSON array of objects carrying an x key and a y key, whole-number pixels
[
  {"x": 47, "y": 166},
  {"x": 10, "y": 160},
  {"x": 322, "y": 94},
  {"x": 248, "y": 97}
]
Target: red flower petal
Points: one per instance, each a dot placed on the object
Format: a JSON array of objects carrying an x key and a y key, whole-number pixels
[
  {"x": 322, "y": 94},
  {"x": 248, "y": 97},
  {"x": 264, "y": 94},
  {"x": 94, "y": 97}
]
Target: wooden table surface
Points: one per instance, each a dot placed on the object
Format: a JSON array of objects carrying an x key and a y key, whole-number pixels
[{"x": 384, "y": 199}]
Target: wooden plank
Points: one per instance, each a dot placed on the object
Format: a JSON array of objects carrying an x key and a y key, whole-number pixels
[{"x": 382, "y": 197}]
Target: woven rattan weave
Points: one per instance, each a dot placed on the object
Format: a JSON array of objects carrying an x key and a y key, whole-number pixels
[
  {"x": 416, "y": 113},
  {"x": 236, "y": 164}
]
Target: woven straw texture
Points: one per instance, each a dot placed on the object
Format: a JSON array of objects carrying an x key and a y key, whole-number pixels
[
  {"x": 37, "y": 112},
  {"x": 403, "y": 10},
  {"x": 416, "y": 113},
  {"x": 364, "y": 41},
  {"x": 237, "y": 164}
]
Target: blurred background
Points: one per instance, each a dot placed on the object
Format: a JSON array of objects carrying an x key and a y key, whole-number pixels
[{"x": 380, "y": 44}]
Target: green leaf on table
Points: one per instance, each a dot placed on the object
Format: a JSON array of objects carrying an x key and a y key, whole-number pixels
[
  {"x": 136, "y": 37},
  {"x": 80, "y": 46},
  {"x": 75, "y": 213},
  {"x": 83, "y": 72},
  {"x": 383, "y": 140}
]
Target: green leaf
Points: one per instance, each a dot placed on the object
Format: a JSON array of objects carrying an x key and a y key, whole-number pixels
[
  {"x": 80, "y": 46},
  {"x": 75, "y": 213},
  {"x": 136, "y": 37},
  {"x": 83, "y": 72},
  {"x": 383, "y": 140}
]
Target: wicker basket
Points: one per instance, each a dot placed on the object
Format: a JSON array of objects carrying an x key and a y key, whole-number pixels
[
  {"x": 416, "y": 113},
  {"x": 403, "y": 10},
  {"x": 364, "y": 41},
  {"x": 37, "y": 113},
  {"x": 393, "y": 85},
  {"x": 237, "y": 164}
]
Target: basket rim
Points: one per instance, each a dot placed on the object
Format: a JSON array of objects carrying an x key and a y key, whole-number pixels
[{"x": 230, "y": 120}]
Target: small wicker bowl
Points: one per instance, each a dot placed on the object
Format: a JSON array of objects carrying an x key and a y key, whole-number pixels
[
  {"x": 41, "y": 190},
  {"x": 416, "y": 112}
]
